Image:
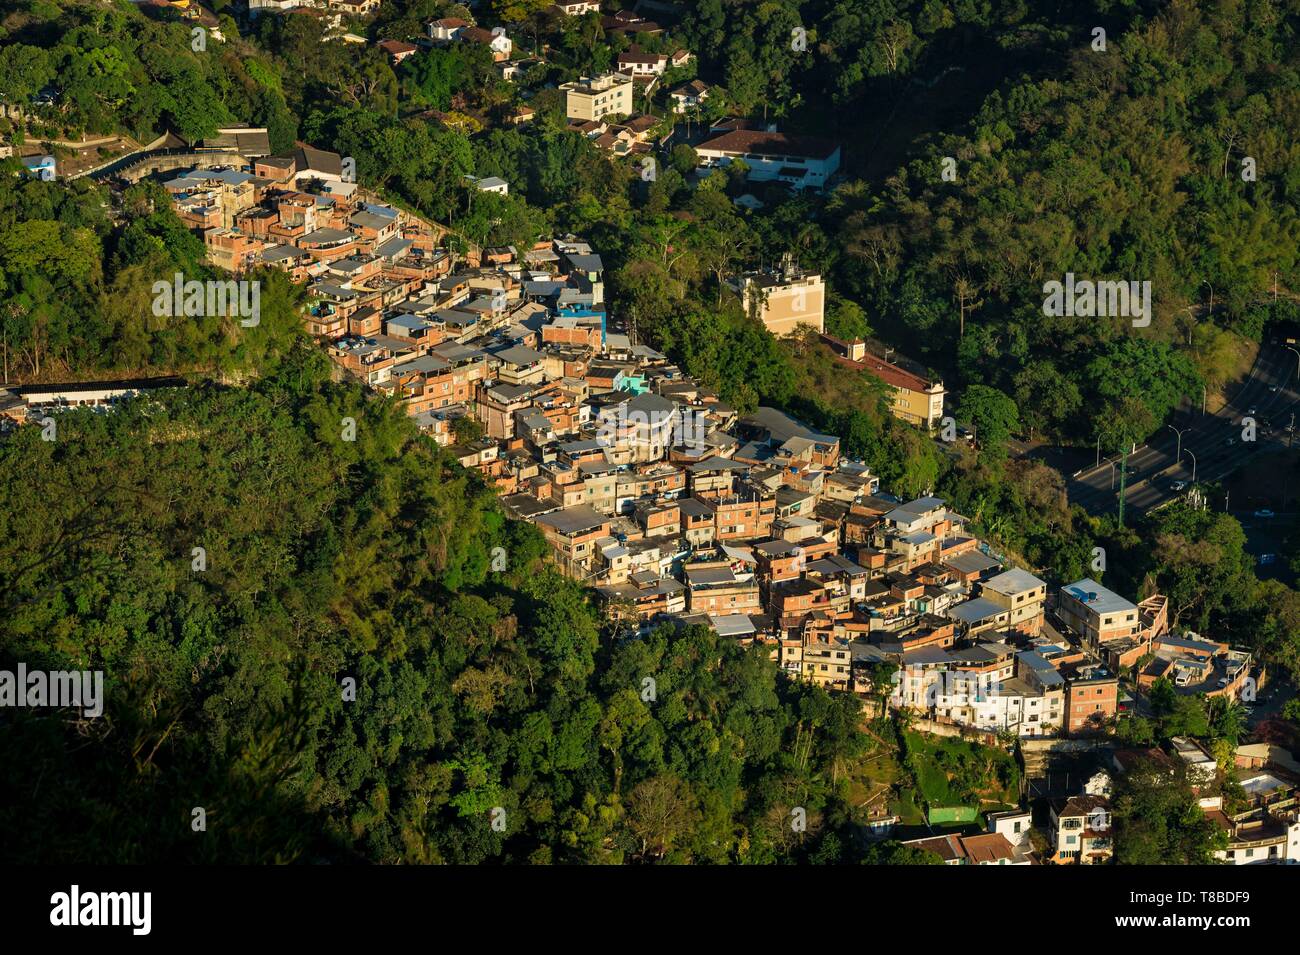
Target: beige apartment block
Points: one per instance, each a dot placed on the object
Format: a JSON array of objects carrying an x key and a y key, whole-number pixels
[
  {"x": 1096, "y": 613},
  {"x": 1022, "y": 595},
  {"x": 783, "y": 300},
  {"x": 918, "y": 397},
  {"x": 593, "y": 98}
]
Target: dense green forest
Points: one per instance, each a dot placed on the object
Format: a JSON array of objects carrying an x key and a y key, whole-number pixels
[
  {"x": 324, "y": 560},
  {"x": 76, "y": 284}
]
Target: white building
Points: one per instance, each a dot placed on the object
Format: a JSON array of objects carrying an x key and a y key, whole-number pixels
[
  {"x": 1014, "y": 825},
  {"x": 646, "y": 425},
  {"x": 689, "y": 96},
  {"x": 1201, "y": 766},
  {"x": 280, "y": 6},
  {"x": 490, "y": 184},
  {"x": 798, "y": 161},
  {"x": 593, "y": 98},
  {"x": 577, "y": 8},
  {"x": 446, "y": 29}
]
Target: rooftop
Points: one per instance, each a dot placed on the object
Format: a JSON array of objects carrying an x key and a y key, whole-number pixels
[{"x": 1097, "y": 598}]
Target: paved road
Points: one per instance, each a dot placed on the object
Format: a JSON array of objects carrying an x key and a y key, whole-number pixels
[
  {"x": 1273, "y": 698},
  {"x": 1271, "y": 391}
]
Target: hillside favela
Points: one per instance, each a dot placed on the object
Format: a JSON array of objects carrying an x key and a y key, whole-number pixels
[{"x": 681, "y": 432}]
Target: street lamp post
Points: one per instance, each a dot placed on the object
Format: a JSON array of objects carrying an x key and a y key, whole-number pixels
[
  {"x": 1193, "y": 457},
  {"x": 1179, "y": 453},
  {"x": 1297, "y": 360}
]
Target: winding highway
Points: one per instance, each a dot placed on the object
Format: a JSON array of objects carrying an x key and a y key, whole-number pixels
[{"x": 1211, "y": 445}]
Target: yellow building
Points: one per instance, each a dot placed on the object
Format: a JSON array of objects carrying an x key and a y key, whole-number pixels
[
  {"x": 783, "y": 299},
  {"x": 593, "y": 98},
  {"x": 918, "y": 399}
]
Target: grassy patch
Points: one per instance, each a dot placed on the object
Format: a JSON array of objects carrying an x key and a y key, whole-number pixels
[
  {"x": 879, "y": 784},
  {"x": 950, "y": 771}
]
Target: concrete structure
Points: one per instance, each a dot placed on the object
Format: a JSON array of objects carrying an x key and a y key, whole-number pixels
[
  {"x": 1096, "y": 614},
  {"x": 689, "y": 96},
  {"x": 784, "y": 300},
  {"x": 58, "y": 397},
  {"x": 572, "y": 534},
  {"x": 489, "y": 184},
  {"x": 1091, "y": 700},
  {"x": 593, "y": 98},
  {"x": 1022, "y": 595},
  {"x": 576, "y": 8},
  {"x": 398, "y": 50},
  {"x": 1080, "y": 830},
  {"x": 446, "y": 29},
  {"x": 1014, "y": 825},
  {"x": 798, "y": 161},
  {"x": 1267, "y": 830},
  {"x": 500, "y": 44},
  {"x": 986, "y": 849},
  {"x": 917, "y": 396}
]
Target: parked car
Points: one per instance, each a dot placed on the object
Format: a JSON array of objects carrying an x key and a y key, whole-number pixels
[
  {"x": 1265, "y": 559},
  {"x": 1265, "y": 513}
]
